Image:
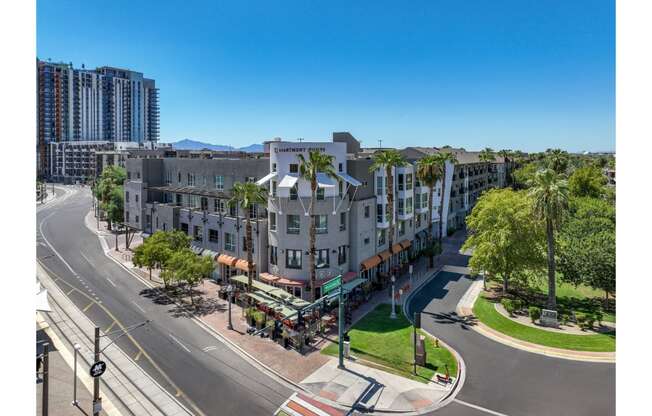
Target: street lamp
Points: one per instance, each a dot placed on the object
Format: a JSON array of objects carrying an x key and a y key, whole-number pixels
[
  {"x": 77, "y": 347},
  {"x": 229, "y": 291},
  {"x": 393, "y": 314}
]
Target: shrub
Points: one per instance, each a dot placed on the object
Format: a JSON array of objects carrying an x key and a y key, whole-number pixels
[
  {"x": 581, "y": 321},
  {"x": 565, "y": 318},
  {"x": 508, "y": 304},
  {"x": 590, "y": 320},
  {"x": 518, "y": 304},
  {"x": 535, "y": 313},
  {"x": 598, "y": 317}
]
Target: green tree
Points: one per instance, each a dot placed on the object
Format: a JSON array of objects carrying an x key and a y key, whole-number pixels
[
  {"x": 506, "y": 240},
  {"x": 429, "y": 171},
  {"x": 587, "y": 181},
  {"x": 246, "y": 196},
  {"x": 557, "y": 160},
  {"x": 188, "y": 268},
  {"x": 156, "y": 251},
  {"x": 112, "y": 177},
  {"x": 487, "y": 155},
  {"x": 522, "y": 176},
  {"x": 316, "y": 163},
  {"x": 587, "y": 253},
  {"x": 550, "y": 204}
]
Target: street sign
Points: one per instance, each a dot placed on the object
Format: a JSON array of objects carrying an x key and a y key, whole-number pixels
[
  {"x": 330, "y": 285},
  {"x": 98, "y": 368}
]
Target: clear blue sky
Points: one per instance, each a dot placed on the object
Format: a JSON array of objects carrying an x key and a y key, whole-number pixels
[{"x": 519, "y": 74}]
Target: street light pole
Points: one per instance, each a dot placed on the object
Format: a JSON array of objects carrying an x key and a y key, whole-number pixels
[
  {"x": 229, "y": 291},
  {"x": 74, "y": 381},
  {"x": 393, "y": 314},
  {"x": 96, "y": 380},
  {"x": 340, "y": 331},
  {"x": 46, "y": 378}
]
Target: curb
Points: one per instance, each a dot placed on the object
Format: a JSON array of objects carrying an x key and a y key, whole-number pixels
[
  {"x": 482, "y": 329},
  {"x": 461, "y": 365}
]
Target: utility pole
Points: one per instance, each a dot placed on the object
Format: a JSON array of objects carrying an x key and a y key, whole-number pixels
[
  {"x": 97, "y": 401},
  {"x": 46, "y": 377},
  {"x": 416, "y": 323},
  {"x": 340, "y": 364},
  {"x": 77, "y": 347}
]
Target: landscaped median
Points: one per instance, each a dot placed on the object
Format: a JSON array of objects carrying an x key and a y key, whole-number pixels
[
  {"x": 485, "y": 311},
  {"x": 387, "y": 342}
]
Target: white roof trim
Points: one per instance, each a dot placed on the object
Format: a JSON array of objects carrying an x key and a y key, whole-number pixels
[
  {"x": 350, "y": 179},
  {"x": 288, "y": 181},
  {"x": 266, "y": 178}
]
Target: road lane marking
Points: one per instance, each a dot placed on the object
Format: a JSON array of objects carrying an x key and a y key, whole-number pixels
[
  {"x": 480, "y": 408},
  {"x": 88, "y": 306},
  {"x": 87, "y": 259},
  {"x": 209, "y": 348},
  {"x": 110, "y": 327},
  {"x": 138, "y": 355},
  {"x": 111, "y": 281},
  {"x": 70, "y": 291},
  {"x": 138, "y": 306},
  {"x": 179, "y": 342}
]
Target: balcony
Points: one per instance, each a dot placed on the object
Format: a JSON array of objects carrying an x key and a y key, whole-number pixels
[{"x": 381, "y": 222}]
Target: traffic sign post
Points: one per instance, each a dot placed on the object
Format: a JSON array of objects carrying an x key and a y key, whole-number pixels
[
  {"x": 331, "y": 285},
  {"x": 98, "y": 368}
]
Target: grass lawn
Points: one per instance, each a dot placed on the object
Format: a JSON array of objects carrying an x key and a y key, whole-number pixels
[
  {"x": 574, "y": 298},
  {"x": 486, "y": 313},
  {"x": 388, "y": 342}
]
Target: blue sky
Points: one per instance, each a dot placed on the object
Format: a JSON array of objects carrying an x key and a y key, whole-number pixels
[{"x": 518, "y": 74}]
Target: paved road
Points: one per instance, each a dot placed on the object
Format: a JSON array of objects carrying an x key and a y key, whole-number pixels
[
  {"x": 505, "y": 380},
  {"x": 171, "y": 347}
]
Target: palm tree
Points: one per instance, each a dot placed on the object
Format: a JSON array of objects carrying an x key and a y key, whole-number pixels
[
  {"x": 441, "y": 159},
  {"x": 557, "y": 160},
  {"x": 429, "y": 171},
  {"x": 246, "y": 195},
  {"x": 317, "y": 162},
  {"x": 550, "y": 195},
  {"x": 388, "y": 160},
  {"x": 486, "y": 156}
]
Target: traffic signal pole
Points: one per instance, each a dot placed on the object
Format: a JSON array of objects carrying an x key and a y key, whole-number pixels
[
  {"x": 96, "y": 380},
  {"x": 341, "y": 324}
]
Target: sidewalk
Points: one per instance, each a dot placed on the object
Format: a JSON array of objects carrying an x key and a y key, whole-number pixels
[
  {"x": 61, "y": 380},
  {"x": 307, "y": 371}
]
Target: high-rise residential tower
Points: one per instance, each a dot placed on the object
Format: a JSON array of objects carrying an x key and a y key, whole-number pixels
[{"x": 105, "y": 104}]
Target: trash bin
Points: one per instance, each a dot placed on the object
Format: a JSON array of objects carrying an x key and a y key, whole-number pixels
[{"x": 347, "y": 348}]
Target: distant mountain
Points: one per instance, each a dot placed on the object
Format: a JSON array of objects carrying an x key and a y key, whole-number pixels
[{"x": 188, "y": 144}]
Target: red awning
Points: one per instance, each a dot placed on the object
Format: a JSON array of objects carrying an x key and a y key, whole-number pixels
[
  {"x": 227, "y": 260},
  {"x": 270, "y": 278},
  {"x": 287, "y": 282},
  {"x": 349, "y": 276}
]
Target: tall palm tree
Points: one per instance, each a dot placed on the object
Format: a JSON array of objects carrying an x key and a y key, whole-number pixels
[
  {"x": 388, "y": 160},
  {"x": 557, "y": 160},
  {"x": 317, "y": 162},
  {"x": 487, "y": 155},
  {"x": 441, "y": 159},
  {"x": 245, "y": 196},
  {"x": 429, "y": 171},
  {"x": 550, "y": 195}
]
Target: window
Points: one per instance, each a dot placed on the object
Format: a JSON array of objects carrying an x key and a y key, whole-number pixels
[
  {"x": 138, "y": 175},
  {"x": 380, "y": 236},
  {"x": 379, "y": 212},
  {"x": 273, "y": 167},
  {"x": 400, "y": 181},
  {"x": 320, "y": 194},
  {"x": 293, "y": 259},
  {"x": 179, "y": 177},
  {"x": 127, "y": 215},
  {"x": 191, "y": 179},
  {"x": 418, "y": 220},
  {"x": 136, "y": 197},
  {"x": 340, "y": 185},
  {"x": 321, "y": 224},
  {"x": 340, "y": 167},
  {"x": 342, "y": 221},
  {"x": 341, "y": 255},
  {"x": 213, "y": 236},
  {"x": 197, "y": 234},
  {"x": 219, "y": 183},
  {"x": 233, "y": 210},
  {"x": 294, "y": 224},
  {"x": 127, "y": 196},
  {"x": 137, "y": 219},
  {"x": 366, "y": 241},
  {"x": 417, "y": 202},
  {"x": 184, "y": 227},
  {"x": 273, "y": 255},
  {"x": 128, "y": 175},
  {"x": 379, "y": 185},
  {"x": 366, "y": 211},
  {"x": 272, "y": 221},
  {"x": 401, "y": 227},
  {"x": 408, "y": 205},
  {"x": 229, "y": 241},
  {"x": 294, "y": 168},
  {"x": 250, "y": 179},
  {"x": 401, "y": 206},
  {"x": 168, "y": 178},
  {"x": 294, "y": 194},
  {"x": 218, "y": 205},
  {"x": 274, "y": 189},
  {"x": 408, "y": 182},
  {"x": 424, "y": 200},
  {"x": 321, "y": 259}
]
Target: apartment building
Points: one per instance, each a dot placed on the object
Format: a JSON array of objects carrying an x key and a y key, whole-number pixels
[
  {"x": 105, "y": 105},
  {"x": 351, "y": 212}
]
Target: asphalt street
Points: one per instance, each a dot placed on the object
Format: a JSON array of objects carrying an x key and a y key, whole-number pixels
[
  {"x": 171, "y": 348},
  {"x": 501, "y": 380}
]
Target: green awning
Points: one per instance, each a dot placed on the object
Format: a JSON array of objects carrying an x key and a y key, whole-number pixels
[
  {"x": 353, "y": 284},
  {"x": 275, "y": 292},
  {"x": 273, "y": 304}
]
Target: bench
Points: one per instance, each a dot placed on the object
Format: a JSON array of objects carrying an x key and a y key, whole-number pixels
[{"x": 443, "y": 379}]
